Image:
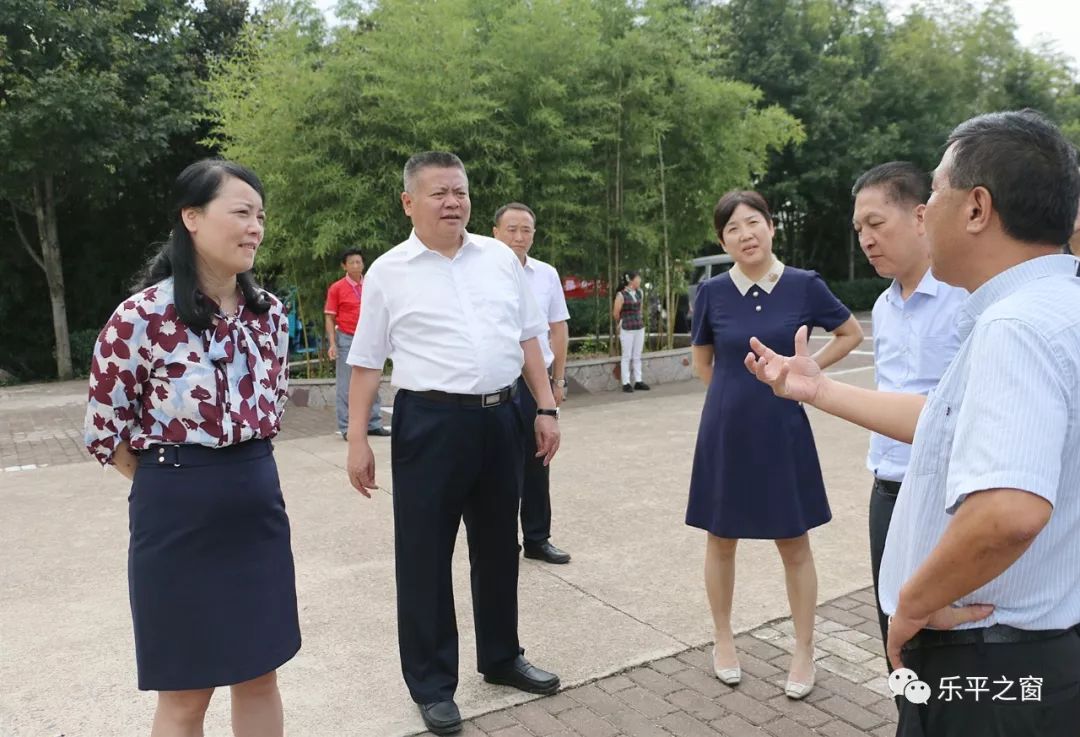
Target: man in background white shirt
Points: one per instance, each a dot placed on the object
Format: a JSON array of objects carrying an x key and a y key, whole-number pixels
[
  {"x": 914, "y": 322},
  {"x": 455, "y": 314},
  {"x": 515, "y": 225}
]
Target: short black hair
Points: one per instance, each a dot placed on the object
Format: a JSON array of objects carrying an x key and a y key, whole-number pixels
[
  {"x": 514, "y": 206},
  {"x": 1029, "y": 168},
  {"x": 425, "y": 159},
  {"x": 902, "y": 181},
  {"x": 352, "y": 252},
  {"x": 727, "y": 204}
]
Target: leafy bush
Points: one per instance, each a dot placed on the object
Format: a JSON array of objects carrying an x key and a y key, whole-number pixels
[
  {"x": 588, "y": 316},
  {"x": 82, "y": 349},
  {"x": 859, "y": 294}
]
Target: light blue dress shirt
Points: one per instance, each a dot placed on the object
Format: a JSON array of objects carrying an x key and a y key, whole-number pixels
[
  {"x": 1005, "y": 415},
  {"x": 914, "y": 342}
]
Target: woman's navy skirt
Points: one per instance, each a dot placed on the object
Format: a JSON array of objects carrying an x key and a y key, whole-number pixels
[{"x": 210, "y": 566}]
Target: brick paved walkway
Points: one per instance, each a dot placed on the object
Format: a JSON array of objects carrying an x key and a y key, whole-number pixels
[
  {"x": 680, "y": 697},
  {"x": 52, "y": 436}
]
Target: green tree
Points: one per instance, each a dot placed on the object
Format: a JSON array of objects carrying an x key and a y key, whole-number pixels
[
  {"x": 556, "y": 103},
  {"x": 869, "y": 90},
  {"x": 88, "y": 92}
]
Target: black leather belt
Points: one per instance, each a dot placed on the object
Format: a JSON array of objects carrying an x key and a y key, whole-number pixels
[
  {"x": 189, "y": 454},
  {"x": 999, "y": 634},
  {"x": 889, "y": 487},
  {"x": 492, "y": 399}
]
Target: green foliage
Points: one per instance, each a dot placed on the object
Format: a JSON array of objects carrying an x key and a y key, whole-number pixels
[
  {"x": 82, "y": 349},
  {"x": 91, "y": 88},
  {"x": 869, "y": 90},
  {"x": 104, "y": 98},
  {"x": 564, "y": 104},
  {"x": 588, "y": 316},
  {"x": 859, "y": 295},
  {"x": 557, "y": 103}
]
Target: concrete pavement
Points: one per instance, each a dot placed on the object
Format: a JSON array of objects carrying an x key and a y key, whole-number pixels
[{"x": 633, "y": 593}]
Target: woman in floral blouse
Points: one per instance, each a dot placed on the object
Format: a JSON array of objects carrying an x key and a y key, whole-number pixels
[{"x": 187, "y": 386}]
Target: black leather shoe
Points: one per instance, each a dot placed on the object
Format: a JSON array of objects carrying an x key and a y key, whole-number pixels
[
  {"x": 641, "y": 386},
  {"x": 380, "y": 432},
  {"x": 525, "y": 676},
  {"x": 546, "y": 552},
  {"x": 441, "y": 717},
  {"x": 628, "y": 389},
  {"x": 345, "y": 436}
]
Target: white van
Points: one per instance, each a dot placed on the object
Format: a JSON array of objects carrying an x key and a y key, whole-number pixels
[{"x": 705, "y": 268}]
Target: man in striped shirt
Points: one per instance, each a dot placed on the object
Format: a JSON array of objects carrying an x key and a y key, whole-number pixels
[{"x": 981, "y": 571}]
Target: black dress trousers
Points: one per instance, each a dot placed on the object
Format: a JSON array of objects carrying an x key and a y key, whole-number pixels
[
  {"x": 882, "y": 504},
  {"x": 1048, "y": 670},
  {"x": 536, "y": 487},
  {"x": 453, "y": 462}
]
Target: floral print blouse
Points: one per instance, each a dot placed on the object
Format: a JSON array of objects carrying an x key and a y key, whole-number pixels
[{"x": 153, "y": 380}]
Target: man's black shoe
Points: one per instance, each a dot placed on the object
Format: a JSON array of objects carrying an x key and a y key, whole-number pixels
[
  {"x": 628, "y": 389},
  {"x": 441, "y": 717},
  {"x": 641, "y": 386},
  {"x": 524, "y": 676},
  {"x": 546, "y": 552},
  {"x": 381, "y": 432},
  {"x": 344, "y": 435}
]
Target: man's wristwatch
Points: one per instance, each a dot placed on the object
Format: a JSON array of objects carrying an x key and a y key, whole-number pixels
[
  {"x": 561, "y": 383},
  {"x": 549, "y": 412}
]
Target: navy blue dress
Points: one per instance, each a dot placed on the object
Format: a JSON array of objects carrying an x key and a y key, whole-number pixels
[{"x": 756, "y": 472}]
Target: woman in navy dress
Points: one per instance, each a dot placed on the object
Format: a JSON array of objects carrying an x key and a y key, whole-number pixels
[{"x": 756, "y": 472}]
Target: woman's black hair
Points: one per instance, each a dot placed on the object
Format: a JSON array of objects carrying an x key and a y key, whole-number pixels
[
  {"x": 627, "y": 278},
  {"x": 197, "y": 186},
  {"x": 725, "y": 208}
]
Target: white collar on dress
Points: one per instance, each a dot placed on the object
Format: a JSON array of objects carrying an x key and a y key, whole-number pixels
[{"x": 767, "y": 282}]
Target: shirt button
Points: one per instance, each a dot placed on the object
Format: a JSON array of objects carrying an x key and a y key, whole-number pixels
[
  {"x": 758, "y": 308},
  {"x": 756, "y": 293}
]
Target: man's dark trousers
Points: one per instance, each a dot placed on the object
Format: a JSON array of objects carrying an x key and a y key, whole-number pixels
[
  {"x": 452, "y": 462},
  {"x": 1056, "y": 713},
  {"x": 882, "y": 502},
  {"x": 536, "y": 489}
]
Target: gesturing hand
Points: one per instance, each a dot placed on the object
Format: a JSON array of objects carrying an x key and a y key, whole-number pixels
[{"x": 795, "y": 377}]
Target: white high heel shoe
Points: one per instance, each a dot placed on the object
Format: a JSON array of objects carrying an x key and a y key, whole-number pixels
[
  {"x": 727, "y": 676},
  {"x": 795, "y": 690}
]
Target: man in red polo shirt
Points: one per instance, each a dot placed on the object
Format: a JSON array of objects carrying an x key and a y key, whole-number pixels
[{"x": 342, "y": 315}]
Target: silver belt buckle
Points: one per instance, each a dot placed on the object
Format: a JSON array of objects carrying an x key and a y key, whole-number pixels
[{"x": 492, "y": 400}]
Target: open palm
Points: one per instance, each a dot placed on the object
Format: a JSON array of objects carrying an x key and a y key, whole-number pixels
[{"x": 797, "y": 377}]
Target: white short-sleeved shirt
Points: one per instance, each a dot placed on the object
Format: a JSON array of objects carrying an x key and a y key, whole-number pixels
[
  {"x": 1006, "y": 415},
  {"x": 547, "y": 288},
  {"x": 449, "y": 324}
]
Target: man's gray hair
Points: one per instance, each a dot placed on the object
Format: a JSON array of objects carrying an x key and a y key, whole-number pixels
[{"x": 426, "y": 159}]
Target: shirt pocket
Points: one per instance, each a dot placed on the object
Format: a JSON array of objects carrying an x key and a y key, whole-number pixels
[
  {"x": 934, "y": 434},
  {"x": 935, "y": 355}
]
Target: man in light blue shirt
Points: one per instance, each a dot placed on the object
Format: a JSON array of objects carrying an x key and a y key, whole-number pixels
[
  {"x": 914, "y": 322},
  {"x": 981, "y": 570}
]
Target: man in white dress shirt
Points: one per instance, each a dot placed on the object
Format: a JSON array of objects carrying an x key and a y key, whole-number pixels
[
  {"x": 914, "y": 322},
  {"x": 455, "y": 314},
  {"x": 515, "y": 225}
]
